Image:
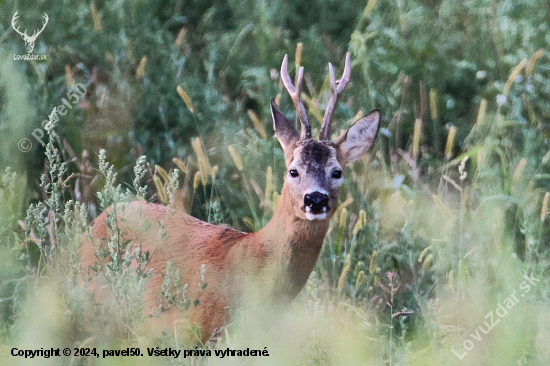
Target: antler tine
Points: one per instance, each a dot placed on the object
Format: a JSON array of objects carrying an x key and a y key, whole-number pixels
[
  {"x": 37, "y": 32},
  {"x": 296, "y": 95},
  {"x": 336, "y": 93},
  {"x": 44, "y": 24},
  {"x": 13, "y": 19}
]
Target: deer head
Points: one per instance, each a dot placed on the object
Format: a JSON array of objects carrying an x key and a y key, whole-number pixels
[
  {"x": 29, "y": 40},
  {"x": 315, "y": 167}
]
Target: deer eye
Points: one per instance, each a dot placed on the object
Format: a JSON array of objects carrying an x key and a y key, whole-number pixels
[
  {"x": 337, "y": 174},
  {"x": 293, "y": 173}
]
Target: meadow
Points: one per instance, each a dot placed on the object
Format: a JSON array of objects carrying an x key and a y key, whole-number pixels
[{"x": 439, "y": 251}]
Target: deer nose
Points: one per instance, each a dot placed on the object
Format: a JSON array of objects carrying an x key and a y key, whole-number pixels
[{"x": 317, "y": 202}]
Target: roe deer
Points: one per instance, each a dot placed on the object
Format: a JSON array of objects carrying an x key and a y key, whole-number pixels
[{"x": 278, "y": 259}]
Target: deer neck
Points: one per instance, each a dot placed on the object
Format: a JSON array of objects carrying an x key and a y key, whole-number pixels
[{"x": 291, "y": 246}]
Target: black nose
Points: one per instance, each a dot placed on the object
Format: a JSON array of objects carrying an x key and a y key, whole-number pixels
[{"x": 317, "y": 202}]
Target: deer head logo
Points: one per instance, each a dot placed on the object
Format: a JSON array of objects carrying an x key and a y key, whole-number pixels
[{"x": 29, "y": 40}]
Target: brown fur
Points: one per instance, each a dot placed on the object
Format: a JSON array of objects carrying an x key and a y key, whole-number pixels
[{"x": 276, "y": 261}]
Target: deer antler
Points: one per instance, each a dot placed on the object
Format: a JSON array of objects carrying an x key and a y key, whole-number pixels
[
  {"x": 336, "y": 92},
  {"x": 13, "y": 19},
  {"x": 24, "y": 34},
  {"x": 296, "y": 95},
  {"x": 36, "y": 33}
]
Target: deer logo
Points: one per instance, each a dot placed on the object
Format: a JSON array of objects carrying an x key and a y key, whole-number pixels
[{"x": 29, "y": 40}]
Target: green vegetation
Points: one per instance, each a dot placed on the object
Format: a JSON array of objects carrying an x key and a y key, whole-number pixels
[{"x": 444, "y": 222}]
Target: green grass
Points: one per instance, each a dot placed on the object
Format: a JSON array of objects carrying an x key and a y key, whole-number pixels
[{"x": 437, "y": 227}]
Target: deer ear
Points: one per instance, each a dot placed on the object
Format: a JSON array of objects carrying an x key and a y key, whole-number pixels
[
  {"x": 284, "y": 130},
  {"x": 358, "y": 139}
]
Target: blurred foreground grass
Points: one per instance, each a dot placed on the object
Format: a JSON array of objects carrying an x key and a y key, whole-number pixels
[{"x": 437, "y": 229}]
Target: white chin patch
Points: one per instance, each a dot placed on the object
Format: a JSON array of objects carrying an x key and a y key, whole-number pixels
[{"x": 311, "y": 216}]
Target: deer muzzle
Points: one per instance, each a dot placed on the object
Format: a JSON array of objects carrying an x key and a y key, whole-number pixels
[{"x": 316, "y": 205}]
